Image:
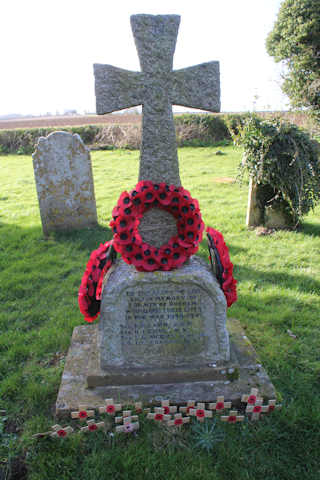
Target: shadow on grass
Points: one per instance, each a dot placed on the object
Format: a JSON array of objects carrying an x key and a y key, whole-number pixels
[
  {"x": 86, "y": 239},
  {"x": 310, "y": 229},
  {"x": 298, "y": 282},
  {"x": 90, "y": 238}
]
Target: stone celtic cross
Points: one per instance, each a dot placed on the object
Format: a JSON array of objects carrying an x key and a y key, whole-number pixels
[{"x": 157, "y": 88}]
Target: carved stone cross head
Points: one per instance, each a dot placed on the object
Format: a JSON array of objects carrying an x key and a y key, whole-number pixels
[{"x": 157, "y": 87}]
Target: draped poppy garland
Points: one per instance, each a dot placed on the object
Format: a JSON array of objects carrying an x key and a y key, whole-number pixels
[
  {"x": 225, "y": 267},
  {"x": 126, "y": 219},
  {"x": 89, "y": 297},
  {"x": 128, "y": 242}
]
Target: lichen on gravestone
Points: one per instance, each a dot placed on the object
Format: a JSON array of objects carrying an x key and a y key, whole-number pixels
[{"x": 63, "y": 175}]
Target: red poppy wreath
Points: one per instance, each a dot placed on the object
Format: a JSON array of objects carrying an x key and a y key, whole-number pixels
[
  {"x": 225, "y": 267},
  {"x": 126, "y": 219},
  {"x": 91, "y": 284}
]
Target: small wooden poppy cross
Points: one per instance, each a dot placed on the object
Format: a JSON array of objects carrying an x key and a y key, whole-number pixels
[
  {"x": 233, "y": 417},
  {"x": 110, "y": 407},
  {"x": 220, "y": 405},
  {"x": 159, "y": 415},
  {"x": 83, "y": 413},
  {"x": 272, "y": 405},
  {"x": 58, "y": 431},
  {"x": 165, "y": 404},
  {"x": 186, "y": 410},
  {"x": 200, "y": 412},
  {"x": 92, "y": 426},
  {"x": 251, "y": 398},
  {"x": 255, "y": 409},
  {"x": 178, "y": 420},
  {"x": 126, "y": 414},
  {"x": 129, "y": 425},
  {"x": 138, "y": 407}
]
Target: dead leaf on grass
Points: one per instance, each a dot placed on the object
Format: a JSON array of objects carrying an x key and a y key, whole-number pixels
[
  {"x": 264, "y": 231},
  {"x": 224, "y": 180}
]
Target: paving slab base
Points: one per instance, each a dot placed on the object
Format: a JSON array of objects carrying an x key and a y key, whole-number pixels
[{"x": 231, "y": 379}]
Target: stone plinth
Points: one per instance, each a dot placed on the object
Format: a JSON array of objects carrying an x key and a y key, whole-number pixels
[
  {"x": 232, "y": 379},
  {"x": 161, "y": 325},
  {"x": 63, "y": 175}
]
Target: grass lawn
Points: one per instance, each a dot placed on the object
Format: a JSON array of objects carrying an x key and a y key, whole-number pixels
[{"x": 278, "y": 288}]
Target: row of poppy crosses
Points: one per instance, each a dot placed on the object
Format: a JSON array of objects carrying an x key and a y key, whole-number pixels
[{"x": 128, "y": 423}]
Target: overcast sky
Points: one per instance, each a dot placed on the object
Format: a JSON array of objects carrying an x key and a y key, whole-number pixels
[{"x": 48, "y": 49}]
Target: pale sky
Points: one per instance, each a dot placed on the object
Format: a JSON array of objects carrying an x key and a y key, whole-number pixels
[{"x": 48, "y": 49}]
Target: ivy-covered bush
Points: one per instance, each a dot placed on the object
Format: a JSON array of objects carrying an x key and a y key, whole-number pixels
[{"x": 281, "y": 155}]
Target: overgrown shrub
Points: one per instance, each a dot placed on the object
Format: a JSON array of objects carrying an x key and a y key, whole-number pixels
[
  {"x": 118, "y": 136},
  {"x": 206, "y": 129},
  {"x": 281, "y": 155}
]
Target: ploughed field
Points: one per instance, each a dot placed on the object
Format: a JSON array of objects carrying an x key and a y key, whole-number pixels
[{"x": 68, "y": 121}]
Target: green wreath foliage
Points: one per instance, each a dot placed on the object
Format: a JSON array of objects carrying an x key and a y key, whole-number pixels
[{"x": 279, "y": 154}]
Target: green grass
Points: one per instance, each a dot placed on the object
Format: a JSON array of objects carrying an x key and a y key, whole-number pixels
[{"x": 278, "y": 288}]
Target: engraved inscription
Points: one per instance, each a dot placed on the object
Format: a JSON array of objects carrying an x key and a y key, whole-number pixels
[{"x": 157, "y": 317}]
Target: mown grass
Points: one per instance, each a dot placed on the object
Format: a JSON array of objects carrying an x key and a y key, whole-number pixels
[{"x": 278, "y": 286}]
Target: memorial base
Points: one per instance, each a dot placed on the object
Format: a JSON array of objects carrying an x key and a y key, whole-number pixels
[{"x": 231, "y": 379}]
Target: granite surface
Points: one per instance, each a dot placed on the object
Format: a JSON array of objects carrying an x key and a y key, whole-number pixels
[
  {"x": 162, "y": 319},
  {"x": 63, "y": 175},
  {"x": 232, "y": 379},
  {"x": 156, "y": 88}
]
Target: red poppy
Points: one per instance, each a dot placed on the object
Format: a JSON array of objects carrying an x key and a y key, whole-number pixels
[
  {"x": 162, "y": 194},
  {"x": 61, "y": 433},
  {"x": 158, "y": 416},
  {"x": 143, "y": 185},
  {"x": 271, "y": 408},
  {"x": 165, "y": 259},
  {"x": 110, "y": 408},
  {"x": 232, "y": 419},
  {"x": 220, "y": 406},
  {"x": 178, "y": 421},
  {"x": 115, "y": 211},
  {"x": 138, "y": 258},
  {"x": 166, "y": 410},
  {"x": 125, "y": 201},
  {"x": 200, "y": 413},
  {"x": 188, "y": 410},
  {"x": 83, "y": 414},
  {"x": 147, "y": 197},
  {"x": 92, "y": 427},
  {"x": 257, "y": 409},
  {"x": 252, "y": 399}
]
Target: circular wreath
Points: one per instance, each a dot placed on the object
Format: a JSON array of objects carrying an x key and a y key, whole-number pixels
[{"x": 126, "y": 219}]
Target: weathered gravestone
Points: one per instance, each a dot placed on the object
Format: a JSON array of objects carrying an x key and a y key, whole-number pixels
[
  {"x": 264, "y": 211},
  {"x": 161, "y": 334},
  {"x": 64, "y": 182}
]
